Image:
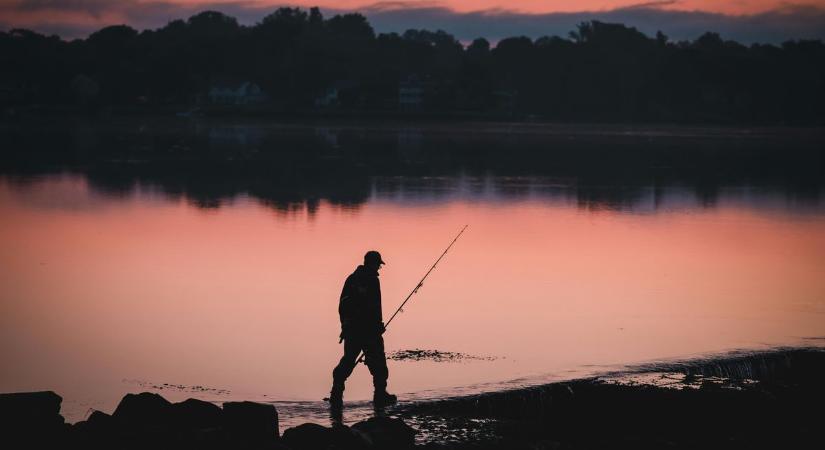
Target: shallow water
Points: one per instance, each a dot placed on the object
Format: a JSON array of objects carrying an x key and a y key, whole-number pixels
[{"x": 105, "y": 291}]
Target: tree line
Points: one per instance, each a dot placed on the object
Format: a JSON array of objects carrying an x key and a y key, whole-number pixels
[{"x": 599, "y": 72}]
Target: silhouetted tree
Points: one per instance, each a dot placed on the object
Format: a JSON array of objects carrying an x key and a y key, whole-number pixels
[{"x": 601, "y": 71}]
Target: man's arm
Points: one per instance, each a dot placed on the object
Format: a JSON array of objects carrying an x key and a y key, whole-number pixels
[{"x": 345, "y": 303}]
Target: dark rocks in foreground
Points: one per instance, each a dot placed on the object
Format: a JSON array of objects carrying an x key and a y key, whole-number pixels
[
  {"x": 249, "y": 422},
  {"x": 375, "y": 433},
  {"x": 143, "y": 412},
  {"x": 32, "y": 418},
  {"x": 149, "y": 421}
]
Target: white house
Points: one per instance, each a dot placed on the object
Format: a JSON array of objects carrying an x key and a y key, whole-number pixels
[
  {"x": 411, "y": 93},
  {"x": 327, "y": 98},
  {"x": 246, "y": 93}
]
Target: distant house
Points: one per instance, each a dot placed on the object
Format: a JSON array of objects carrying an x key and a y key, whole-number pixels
[
  {"x": 327, "y": 98},
  {"x": 346, "y": 93},
  {"x": 411, "y": 92},
  {"x": 246, "y": 93}
]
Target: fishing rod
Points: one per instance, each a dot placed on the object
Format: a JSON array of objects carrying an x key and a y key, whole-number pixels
[{"x": 417, "y": 287}]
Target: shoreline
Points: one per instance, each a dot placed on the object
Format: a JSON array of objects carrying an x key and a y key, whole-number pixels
[
  {"x": 771, "y": 392},
  {"x": 737, "y": 400}
]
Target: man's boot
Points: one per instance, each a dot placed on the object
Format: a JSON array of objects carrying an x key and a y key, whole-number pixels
[
  {"x": 336, "y": 395},
  {"x": 382, "y": 398}
]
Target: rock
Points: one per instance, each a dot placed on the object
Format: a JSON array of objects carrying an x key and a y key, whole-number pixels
[
  {"x": 31, "y": 418},
  {"x": 144, "y": 410},
  {"x": 207, "y": 439},
  {"x": 95, "y": 432},
  {"x": 193, "y": 414},
  {"x": 98, "y": 421},
  {"x": 386, "y": 432},
  {"x": 29, "y": 404},
  {"x": 251, "y": 421},
  {"x": 311, "y": 436},
  {"x": 308, "y": 436},
  {"x": 99, "y": 418},
  {"x": 345, "y": 438}
]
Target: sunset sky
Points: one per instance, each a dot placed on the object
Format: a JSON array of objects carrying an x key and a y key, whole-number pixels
[{"x": 744, "y": 20}]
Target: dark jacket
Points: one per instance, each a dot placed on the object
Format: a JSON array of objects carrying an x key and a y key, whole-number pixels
[{"x": 360, "y": 304}]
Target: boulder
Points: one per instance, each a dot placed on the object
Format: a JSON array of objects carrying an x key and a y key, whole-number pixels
[
  {"x": 250, "y": 420},
  {"x": 308, "y": 436},
  {"x": 193, "y": 414},
  {"x": 97, "y": 431},
  {"x": 31, "y": 418},
  {"x": 98, "y": 421},
  {"x": 29, "y": 404},
  {"x": 311, "y": 436},
  {"x": 144, "y": 410},
  {"x": 345, "y": 438},
  {"x": 386, "y": 432}
]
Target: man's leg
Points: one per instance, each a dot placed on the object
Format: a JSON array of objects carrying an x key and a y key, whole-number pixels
[
  {"x": 377, "y": 363},
  {"x": 352, "y": 348}
]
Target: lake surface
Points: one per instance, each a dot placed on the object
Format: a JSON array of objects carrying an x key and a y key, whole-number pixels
[{"x": 218, "y": 281}]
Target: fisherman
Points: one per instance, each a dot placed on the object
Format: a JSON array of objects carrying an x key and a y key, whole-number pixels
[{"x": 361, "y": 328}]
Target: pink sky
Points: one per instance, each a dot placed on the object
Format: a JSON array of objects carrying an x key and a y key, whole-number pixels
[
  {"x": 783, "y": 20},
  {"x": 548, "y": 6},
  {"x": 103, "y": 12}
]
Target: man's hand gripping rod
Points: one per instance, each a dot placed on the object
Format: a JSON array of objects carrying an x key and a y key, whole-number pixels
[{"x": 417, "y": 287}]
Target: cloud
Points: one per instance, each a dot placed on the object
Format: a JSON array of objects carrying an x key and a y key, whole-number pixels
[
  {"x": 652, "y": 5},
  {"x": 82, "y": 17},
  {"x": 78, "y": 18},
  {"x": 791, "y": 22}
]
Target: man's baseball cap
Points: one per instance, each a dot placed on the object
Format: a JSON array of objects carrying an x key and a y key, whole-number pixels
[{"x": 373, "y": 257}]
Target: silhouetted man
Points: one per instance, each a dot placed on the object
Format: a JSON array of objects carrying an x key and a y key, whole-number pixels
[{"x": 361, "y": 328}]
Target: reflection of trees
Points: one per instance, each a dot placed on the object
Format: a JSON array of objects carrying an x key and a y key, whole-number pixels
[
  {"x": 206, "y": 187},
  {"x": 288, "y": 167}
]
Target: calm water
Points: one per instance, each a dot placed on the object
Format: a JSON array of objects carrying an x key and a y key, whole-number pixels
[{"x": 221, "y": 292}]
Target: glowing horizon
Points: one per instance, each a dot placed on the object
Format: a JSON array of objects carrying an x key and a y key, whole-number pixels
[
  {"x": 94, "y": 11},
  {"x": 751, "y": 20}
]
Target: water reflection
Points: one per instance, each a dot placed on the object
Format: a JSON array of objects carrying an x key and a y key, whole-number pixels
[
  {"x": 83, "y": 192},
  {"x": 215, "y": 258},
  {"x": 295, "y": 167}
]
